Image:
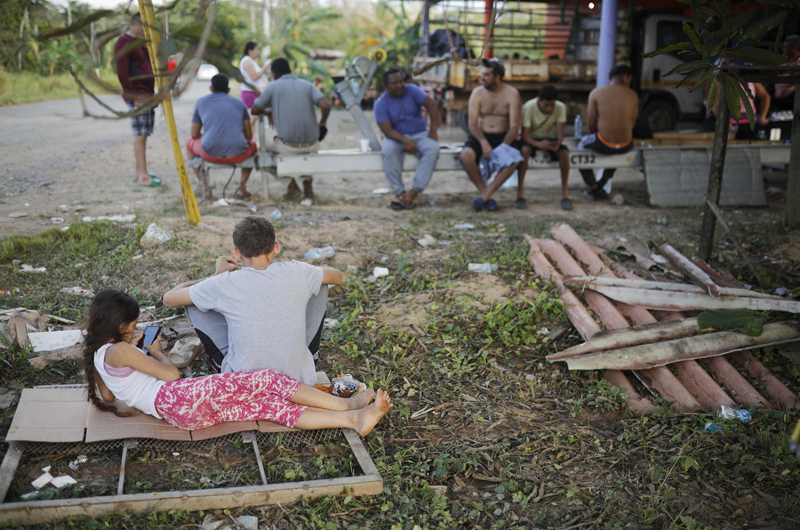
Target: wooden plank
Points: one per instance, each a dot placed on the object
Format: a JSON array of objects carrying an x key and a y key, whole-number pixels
[
  {"x": 36, "y": 512},
  {"x": 366, "y": 463},
  {"x": 588, "y": 281},
  {"x": 672, "y": 301},
  {"x": 349, "y": 160},
  {"x": 631, "y": 336},
  {"x": 678, "y": 135},
  {"x": 693, "y": 271},
  {"x": 646, "y": 356},
  {"x": 9, "y": 467}
]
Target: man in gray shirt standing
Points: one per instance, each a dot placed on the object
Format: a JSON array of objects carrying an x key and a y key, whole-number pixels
[{"x": 290, "y": 102}]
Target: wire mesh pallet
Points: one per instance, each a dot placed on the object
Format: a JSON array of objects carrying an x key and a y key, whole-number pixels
[{"x": 248, "y": 483}]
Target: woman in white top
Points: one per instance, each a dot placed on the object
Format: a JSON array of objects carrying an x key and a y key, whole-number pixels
[
  {"x": 152, "y": 384},
  {"x": 254, "y": 76}
]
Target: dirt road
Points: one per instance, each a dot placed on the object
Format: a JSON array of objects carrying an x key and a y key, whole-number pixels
[{"x": 53, "y": 156}]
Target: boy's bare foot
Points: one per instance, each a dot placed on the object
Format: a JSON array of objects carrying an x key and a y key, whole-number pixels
[
  {"x": 369, "y": 416},
  {"x": 362, "y": 398}
]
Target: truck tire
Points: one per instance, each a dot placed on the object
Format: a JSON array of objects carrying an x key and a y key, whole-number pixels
[
  {"x": 462, "y": 115},
  {"x": 660, "y": 115}
]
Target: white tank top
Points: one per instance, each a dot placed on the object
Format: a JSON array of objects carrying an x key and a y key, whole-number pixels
[
  {"x": 137, "y": 390},
  {"x": 260, "y": 83}
]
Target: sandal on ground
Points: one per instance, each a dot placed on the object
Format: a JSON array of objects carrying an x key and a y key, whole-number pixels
[
  {"x": 520, "y": 204},
  {"x": 241, "y": 193},
  {"x": 478, "y": 204},
  {"x": 566, "y": 204},
  {"x": 185, "y": 351},
  {"x": 154, "y": 182},
  {"x": 596, "y": 194},
  {"x": 151, "y": 176},
  {"x": 491, "y": 205},
  {"x": 397, "y": 206}
]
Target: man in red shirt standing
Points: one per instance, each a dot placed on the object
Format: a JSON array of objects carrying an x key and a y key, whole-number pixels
[{"x": 135, "y": 74}]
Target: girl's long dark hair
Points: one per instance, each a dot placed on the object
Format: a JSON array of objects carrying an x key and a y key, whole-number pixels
[
  {"x": 251, "y": 44},
  {"x": 110, "y": 310}
]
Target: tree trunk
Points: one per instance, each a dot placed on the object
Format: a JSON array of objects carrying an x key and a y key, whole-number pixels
[
  {"x": 716, "y": 166},
  {"x": 793, "y": 184}
]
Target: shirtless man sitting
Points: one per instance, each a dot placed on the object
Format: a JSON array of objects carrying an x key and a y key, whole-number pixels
[
  {"x": 494, "y": 115},
  {"x": 612, "y": 115}
]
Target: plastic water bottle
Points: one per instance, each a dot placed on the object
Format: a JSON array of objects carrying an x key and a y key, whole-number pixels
[
  {"x": 320, "y": 253},
  {"x": 729, "y": 413},
  {"x": 578, "y": 127}
]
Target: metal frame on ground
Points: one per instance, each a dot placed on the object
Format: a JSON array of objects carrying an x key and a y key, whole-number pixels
[{"x": 35, "y": 512}]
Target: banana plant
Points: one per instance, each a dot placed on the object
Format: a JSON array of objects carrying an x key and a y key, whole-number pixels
[
  {"x": 403, "y": 43},
  {"x": 294, "y": 38},
  {"x": 720, "y": 35}
]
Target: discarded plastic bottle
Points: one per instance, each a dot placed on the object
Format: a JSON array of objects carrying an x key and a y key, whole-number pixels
[
  {"x": 710, "y": 427},
  {"x": 578, "y": 127},
  {"x": 276, "y": 214},
  {"x": 730, "y": 413},
  {"x": 320, "y": 253},
  {"x": 482, "y": 268}
]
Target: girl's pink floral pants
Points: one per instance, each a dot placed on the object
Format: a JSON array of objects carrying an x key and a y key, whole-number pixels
[{"x": 201, "y": 402}]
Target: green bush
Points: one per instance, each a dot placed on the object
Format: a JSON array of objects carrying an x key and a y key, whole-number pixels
[{"x": 17, "y": 88}]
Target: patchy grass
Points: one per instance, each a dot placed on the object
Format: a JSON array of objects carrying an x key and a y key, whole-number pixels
[
  {"x": 17, "y": 88},
  {"x": 485, "y": 432}
]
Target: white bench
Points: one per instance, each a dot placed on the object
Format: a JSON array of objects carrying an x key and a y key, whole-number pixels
[
  {"x": 347, "y": 160},
  {"x": 353, "y": 160}
]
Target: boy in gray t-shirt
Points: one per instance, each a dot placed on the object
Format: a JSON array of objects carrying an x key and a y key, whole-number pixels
[{"x": 264, "y": 315}]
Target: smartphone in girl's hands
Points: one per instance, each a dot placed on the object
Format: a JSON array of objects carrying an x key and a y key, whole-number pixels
[{"x": 149, "y": 336}]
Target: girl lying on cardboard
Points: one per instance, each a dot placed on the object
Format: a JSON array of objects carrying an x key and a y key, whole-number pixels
[{"x": 152, "y": 384}]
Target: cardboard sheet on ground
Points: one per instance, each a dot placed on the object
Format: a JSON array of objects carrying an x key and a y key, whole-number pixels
[
  {"x": 50, "y": 415},
  {"x": 63, "y": 414},
  {"x": 55, "y": 340}
]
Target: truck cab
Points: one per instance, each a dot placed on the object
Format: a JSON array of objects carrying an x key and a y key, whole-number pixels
[{"x": 662, "y": 104}]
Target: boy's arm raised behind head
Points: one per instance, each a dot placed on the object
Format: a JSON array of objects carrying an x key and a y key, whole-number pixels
[{"x": 331, "y": 276}]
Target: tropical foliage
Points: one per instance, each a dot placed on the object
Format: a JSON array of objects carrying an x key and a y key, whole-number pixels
[
  {"x": 296, "y": 35},
  {"x": 720, "y": 35},
  {"x": 35, "y": 35}
]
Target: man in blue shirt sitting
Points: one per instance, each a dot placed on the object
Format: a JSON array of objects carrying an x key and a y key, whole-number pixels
[
  {"x": 399, "y": 115},
  {"x": 228, "y": 136}
]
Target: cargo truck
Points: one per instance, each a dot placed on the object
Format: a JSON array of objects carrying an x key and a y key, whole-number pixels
[{"x": 557, "y": 43}]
